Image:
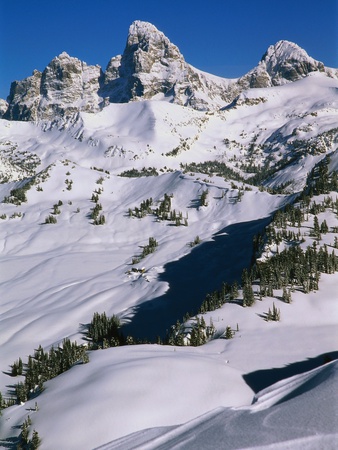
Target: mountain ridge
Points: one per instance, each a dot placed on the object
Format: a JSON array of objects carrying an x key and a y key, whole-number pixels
[{"x": 150, "y": 67}]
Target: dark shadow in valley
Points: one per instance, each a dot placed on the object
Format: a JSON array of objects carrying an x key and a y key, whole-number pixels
[{"x": 193, "y": 276}]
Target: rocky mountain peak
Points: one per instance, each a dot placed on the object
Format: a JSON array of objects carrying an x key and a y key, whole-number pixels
[
  {"x": 289, "y": 61},
  {"x": 282, "y": 63},
  {"x": 142, "y": 34},
  {"x": 149, "y": 46},
  {"x": 283, "y": 51},
  {"x": 66, "y": 86},
  {"x": 63, "y": 75},
  {"x": 150, "y": 67}
]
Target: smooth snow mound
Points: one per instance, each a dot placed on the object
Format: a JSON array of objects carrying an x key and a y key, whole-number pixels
[{"x": 299, "y": 413}]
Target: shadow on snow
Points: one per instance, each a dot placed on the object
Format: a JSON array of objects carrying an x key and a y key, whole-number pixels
[
  {"x": 193, "y": 276},
  {"x": 261, "y": 379}
]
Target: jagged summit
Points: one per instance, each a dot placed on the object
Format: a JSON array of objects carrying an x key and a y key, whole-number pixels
[
  {"x": 142, "y": 33},
  {"x": 150, "y": 67},
  {"x": 282, "y": 63},
  {"x": 150, "y": 64},
  {"x": 284, "y": 50},
  {"x": 63, "y": 55},
  {"x": 66, "y": 86},
  {"x": 289, "y": 61}
]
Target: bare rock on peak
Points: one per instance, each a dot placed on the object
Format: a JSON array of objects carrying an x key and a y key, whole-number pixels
[
  {"x": 66, "y": 86},
  {"x": 287, "y": 61},
  {"x": 150, "y": 64},
  {"x": 282, "y": 63},
  {"x": 24, "y": 98},
  {"x": 3, "y": 107},
  {"x": 151, "y": 67}
]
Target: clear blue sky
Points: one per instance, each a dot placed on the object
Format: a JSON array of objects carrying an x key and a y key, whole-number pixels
[{"x": 223, "y": 37}]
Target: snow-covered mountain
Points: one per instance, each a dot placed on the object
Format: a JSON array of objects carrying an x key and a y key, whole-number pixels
[
  {"x": 282, "y": 63},
  {"x": 94, "y": 167},
  {"x": 151, "y": 67},
  {"x": 66, "y": 86},
  {"x": 278, "y": 132}
]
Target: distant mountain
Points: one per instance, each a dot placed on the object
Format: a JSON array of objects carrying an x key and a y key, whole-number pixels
[
  {"x": 66, "y": 86},
  {"x": 151, "y": 67},
  {"x": 282, "y": 63}
]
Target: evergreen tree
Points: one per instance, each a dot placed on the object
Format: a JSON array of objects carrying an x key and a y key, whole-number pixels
[
  {"x": 203, "y": 199},
  {"x": 228, "y": 333},
  {"x": 21, "y": 393},
  {"x": 316, "y": 229},
  {"x": 194, "y": 340},
  {"x": 286, "y": 295},
  {"x": 324, "y": 227},
  {"x": 274, "y": 314},
  {"x": 24, "y": 441},
  {"x": 248, "y": 294},
  {"x": 35, "y": 441},
  {"x": 234, "y": 290},
  {"x": 335, "y": 242}
]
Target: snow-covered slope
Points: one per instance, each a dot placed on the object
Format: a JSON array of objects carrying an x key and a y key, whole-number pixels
[
  {"x": 76, "y": 148},
  {"x": 290, "y": 414},
  {"x": 281, "y": 130}
]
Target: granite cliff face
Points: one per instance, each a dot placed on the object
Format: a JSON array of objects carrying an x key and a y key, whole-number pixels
[
  {"x": 150, "y": 64},
  {"x": 282, "y": 63},
  {"x": 24, "y": 98},
  {"x": 3, "y": 107},
  {"x": 66, "y": 86},
  {"x": 151, "y": 67}
]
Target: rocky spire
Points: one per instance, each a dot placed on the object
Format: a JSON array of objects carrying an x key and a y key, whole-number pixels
[
  {"x": 282, "y": 63},
  {"x": 150, "y": 67},
  {"x": 67, "y": 85}
]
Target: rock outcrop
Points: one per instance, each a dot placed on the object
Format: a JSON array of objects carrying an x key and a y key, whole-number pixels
[
  {"x": 66, "y": 86},
  {"x": 3, "y": 107},
  {"x": 151, "y": 67},
  {"x": 282, "y": 63}
]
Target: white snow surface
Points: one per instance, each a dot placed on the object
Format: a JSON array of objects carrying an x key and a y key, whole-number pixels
[{"x": 54, "y": 277}]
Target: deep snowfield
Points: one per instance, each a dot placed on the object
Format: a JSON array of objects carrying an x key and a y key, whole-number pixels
[
  {"x": 55, "y": 276},
  {"x": 127, "y": 389},
  {"x": 282, "y": 417}
]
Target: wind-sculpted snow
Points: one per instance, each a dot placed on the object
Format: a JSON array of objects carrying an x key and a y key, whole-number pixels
[
  {"x": 86, "y": 266},
  {"x": 53, "y": 279},
  {"x": 289, "y": 415}
]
